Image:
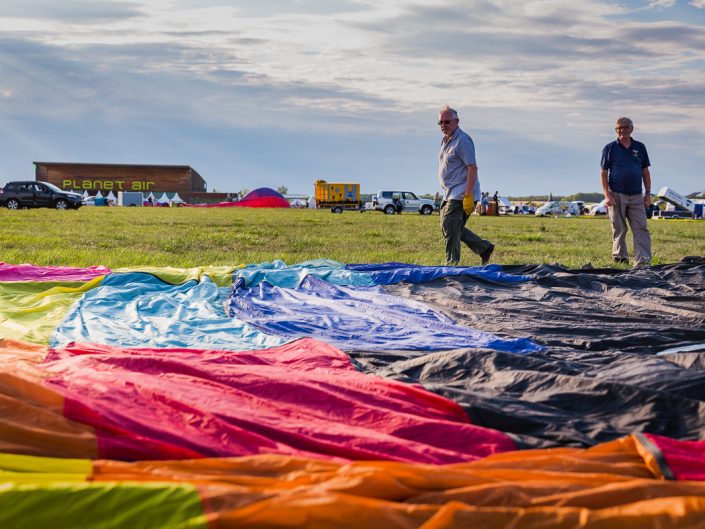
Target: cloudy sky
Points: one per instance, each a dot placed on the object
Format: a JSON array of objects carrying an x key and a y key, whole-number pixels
[{"x": 279, "y": 92}]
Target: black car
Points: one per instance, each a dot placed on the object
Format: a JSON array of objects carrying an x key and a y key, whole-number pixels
[{"x": 29, "y": 194}]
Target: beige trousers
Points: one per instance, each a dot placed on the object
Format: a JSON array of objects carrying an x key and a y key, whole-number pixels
[{"x": 630, "y": 209}]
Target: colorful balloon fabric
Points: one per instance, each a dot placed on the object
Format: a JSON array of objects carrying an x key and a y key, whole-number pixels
[{"x": 321, "y": 394}]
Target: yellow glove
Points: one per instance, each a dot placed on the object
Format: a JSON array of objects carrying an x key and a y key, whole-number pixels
[{"x": 468, "y": 204}]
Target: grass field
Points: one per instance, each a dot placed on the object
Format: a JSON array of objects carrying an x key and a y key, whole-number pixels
[{"x": 186, "y": 237}]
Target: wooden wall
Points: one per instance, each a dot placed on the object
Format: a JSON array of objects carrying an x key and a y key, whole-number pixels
[{"x": 106, "y": 178}]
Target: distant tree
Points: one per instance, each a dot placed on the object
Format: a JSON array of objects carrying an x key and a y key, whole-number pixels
[
  {"x": 283, "y": 190},
  {"x": 586, "y": 197}
]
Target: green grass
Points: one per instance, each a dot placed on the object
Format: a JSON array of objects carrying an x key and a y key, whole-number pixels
[{"x": 186, "y": 237}]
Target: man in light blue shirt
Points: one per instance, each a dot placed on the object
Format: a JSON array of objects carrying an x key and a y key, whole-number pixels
[{"x": 457, "y": 173}]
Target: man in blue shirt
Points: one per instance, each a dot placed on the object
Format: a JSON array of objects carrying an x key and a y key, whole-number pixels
[
  {"x": 624, "y": 165},
  {"x": 457, "y": 173}
]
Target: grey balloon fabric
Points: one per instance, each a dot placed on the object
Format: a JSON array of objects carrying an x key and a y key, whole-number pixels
[{"x": 624, "y": 352}]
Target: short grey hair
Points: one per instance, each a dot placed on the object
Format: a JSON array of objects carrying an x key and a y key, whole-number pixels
[
  {"x": 448, "y": 109},
  {"x": 626, "y": 122}
]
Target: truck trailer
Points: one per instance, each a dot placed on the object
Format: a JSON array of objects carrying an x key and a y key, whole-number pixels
[
  {"x": 337, "y": 196},
  {"x": 684, "y": 206}
]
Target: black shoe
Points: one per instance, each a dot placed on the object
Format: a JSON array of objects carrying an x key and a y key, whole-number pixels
[
  {"x": 620, "y": 260},
  {"x": 485, "y": 256}
]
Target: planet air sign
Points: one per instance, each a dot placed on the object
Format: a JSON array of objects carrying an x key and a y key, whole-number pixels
[{"x": 107, "y": 185}]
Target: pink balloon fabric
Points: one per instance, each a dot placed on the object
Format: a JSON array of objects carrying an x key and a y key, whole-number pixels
[
  {"x": 30, "y": 272},
  {"x": 304, "y": 398},
  {"x": 685, "y": 459}
]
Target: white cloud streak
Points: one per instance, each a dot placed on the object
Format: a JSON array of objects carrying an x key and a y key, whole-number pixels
[{"x": 515, "y": 68}]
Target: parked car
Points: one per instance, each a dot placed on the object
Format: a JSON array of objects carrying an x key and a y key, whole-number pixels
[
  {"x": 599, "y": 209},
  {"x": 384, "y": 201},
  {"x": 31, "y": 194},
  {"x": 523, "y": 209},
  {"x": 558, "y": 208}
]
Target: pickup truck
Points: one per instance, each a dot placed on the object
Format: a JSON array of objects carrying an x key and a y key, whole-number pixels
[{"x": 385, "y": 201}]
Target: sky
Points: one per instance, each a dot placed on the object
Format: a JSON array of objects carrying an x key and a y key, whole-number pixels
[{"x": 281, "y": 93}]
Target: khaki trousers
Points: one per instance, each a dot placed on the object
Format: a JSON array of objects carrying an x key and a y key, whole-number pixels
[
  {"x": 630, "y": 209},
  {"x": 453, "y": 220}
]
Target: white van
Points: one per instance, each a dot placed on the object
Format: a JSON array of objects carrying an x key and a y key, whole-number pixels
[{"x": 556, "y": 208}]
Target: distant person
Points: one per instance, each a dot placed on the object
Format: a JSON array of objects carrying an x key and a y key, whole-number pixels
[
  {"x": 495, "y": 199},
  {"x": 457, "y": 173},
  {"x": 624, "y": 166},
  {"x": 150, "y": 200},
  {"x": 398, "y": 204},
  {"x": 484, "y": 203},
  {"x": 437, "y": 201}
]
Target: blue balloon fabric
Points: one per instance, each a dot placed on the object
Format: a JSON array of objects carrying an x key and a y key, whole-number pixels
[
  {"x": 271, "y": 303},
  {"x": 140, "y": 310},
  {"x": 357, "y": 318},
  {"x": 393, "y": 273}
]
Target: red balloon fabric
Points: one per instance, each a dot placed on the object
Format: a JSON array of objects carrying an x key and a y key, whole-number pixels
[
  {"x": 685, "y": 459},
  {"x": 263, "y": 197},
  {"x": 304, "y": 398}
]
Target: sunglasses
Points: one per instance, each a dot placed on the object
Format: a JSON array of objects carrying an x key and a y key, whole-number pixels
[{"x": 446, "y": 121}]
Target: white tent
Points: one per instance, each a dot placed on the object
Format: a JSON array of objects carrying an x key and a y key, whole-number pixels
[
  {"x": 150, "y": 195},
  {"x": 163, "y": 199},
  {"x": 99, "y": 194},
  {"x": 176, "y": 199},
  {"x": 85, "y": 193},
  {"x": 111, "y": 197}
]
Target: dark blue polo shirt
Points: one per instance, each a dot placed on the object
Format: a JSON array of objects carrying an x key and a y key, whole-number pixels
[{"x": 625, "y": 166}]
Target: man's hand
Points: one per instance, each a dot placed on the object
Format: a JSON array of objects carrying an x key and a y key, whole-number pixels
[
  {"x": 468, "y": 204},
  {"x": 647, "y": 200},
  {"x": 609, "y": 200}
]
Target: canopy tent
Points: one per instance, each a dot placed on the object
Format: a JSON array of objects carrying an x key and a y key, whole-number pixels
[
  {"x": 99, "y": 194},
  {"x": 176, "y": 199},
  {"x": 324, "y": 394},
  {"x": 111, "y": 197},
  {"x": 164, "y": 199},
  {"x": 85, "y": 194},
  {"x": 150, "y": 195}
]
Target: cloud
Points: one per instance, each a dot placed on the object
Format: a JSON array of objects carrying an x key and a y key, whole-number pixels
[
  {"x": 661, "y": 4},
  {"x": 548, "y": 74},
  {"x": 700, "y": 4},
  {"x": 70, "y": 10}
]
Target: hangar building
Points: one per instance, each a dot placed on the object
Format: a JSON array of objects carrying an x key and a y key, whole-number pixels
[{"x": 94, "y": 177}]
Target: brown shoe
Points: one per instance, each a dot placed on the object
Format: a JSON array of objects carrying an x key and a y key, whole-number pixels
[{"x": 485, "y": 256}]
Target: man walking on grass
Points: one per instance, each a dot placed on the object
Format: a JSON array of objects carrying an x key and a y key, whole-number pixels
[
  {"x": 625, "y": 164},
  {"x": 457, "y": 173}
]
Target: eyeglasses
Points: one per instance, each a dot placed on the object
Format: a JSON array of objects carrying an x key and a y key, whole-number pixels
[{"x": 446, "y": 121}]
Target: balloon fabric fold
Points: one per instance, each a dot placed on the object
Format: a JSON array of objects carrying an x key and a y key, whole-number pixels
[{"x": 324, "y": 394}]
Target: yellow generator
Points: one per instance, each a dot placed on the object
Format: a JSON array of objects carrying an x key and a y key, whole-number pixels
[{"x": 337, "y": 196}]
